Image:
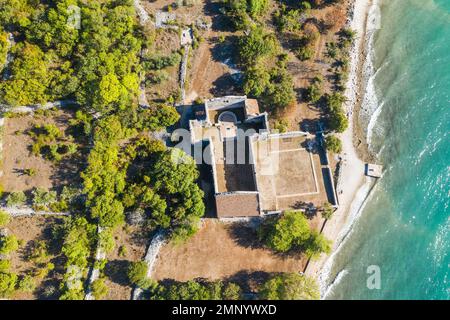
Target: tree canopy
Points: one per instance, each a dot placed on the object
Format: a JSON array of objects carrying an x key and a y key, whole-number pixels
[
  {"x": 290, "y": 286},
  {"x": 197, "y": 290},
  {"x": 290, "y": 232}
]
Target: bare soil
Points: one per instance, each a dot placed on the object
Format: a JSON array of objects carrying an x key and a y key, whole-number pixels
[
  {"x": 167, "y": 41},
  {"x": 302, "y": 115},
  {"x": 17, "y": 155},
  {"x": 221, "y": 251},
  {"x": 135, "y": 241},
  {"x": 29, "y": 230}
]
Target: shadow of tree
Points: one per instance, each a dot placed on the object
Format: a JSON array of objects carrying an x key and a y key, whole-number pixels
[
  {"x": 308, "y": 208},
  {"x": 225, "y": 85},
  {"x": 250, "y": 281},
  {"x": 245, "y": 235},
  {"x": 219, "y": 21},
  {"x": 116, "y": 271}
]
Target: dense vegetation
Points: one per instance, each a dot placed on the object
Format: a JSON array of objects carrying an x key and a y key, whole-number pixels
[
  {"x": 333, "y": 144},
  {"x": 3, "y": 48},
  {"x": 290, "y": 286},
  {"x": 197, "y": 290},
  {"x": 96, "y": 62},
  {"x": 290, "y": 232},
  {"x": 264, "y": 60},
  {"x": 282, "y": 286}
]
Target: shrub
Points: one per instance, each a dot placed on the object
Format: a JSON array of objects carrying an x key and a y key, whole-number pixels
[
  {"x": 256, "y": 8},
  {"x": 313, "y": 93},
  {"x": 287, "y": 20},
  {"x": 280, "y": 92},
  {"x": 157, "y": 77},
  {"x": 333, "y": 144},
  {"x": 106, "y": 240},
  {"x": 332, "y": 50},
  {"x": 123, "y": 251},
  {"x": 197, "y": 290},
  {"x": 290, "y": 286},
  {"x": 256, "y": 80},
  {"x": 38, "y": 252},
  {"x": 30, "y": 172},
  {"x": 137, "y": 274},
  {"x": 27, "y": 284},
  {"x": 304, "y": 53},
  {"x": 291, "y": 232},
  {"x": 43, "y": 197},
  {"x": 257, "y": 44},
  {"x": 73, "y": 294},
  {"x": 8, "y": 244},
  {"x": 41, "y": 273},
  {"x": 160, "y": 62},
  {"x": 231, "y": 291},
  {"x": 346, "y": 37},
  {"x": 281, "y": 125},
  {"x": 285, "y": 232},
  {"x": 8, "y": 283},
  {"x": 4, "y": 265},
  {"x": 316, "y": 245},
  {"x": 327, "y": 211},
  {"x": 4, "y": 218},
  {"x": 99, "y": 289},
  {"x": 16, "y": 199}
]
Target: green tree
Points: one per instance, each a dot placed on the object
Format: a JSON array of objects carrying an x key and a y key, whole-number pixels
[
  {"x": 30, "y": 77},
  {"x": 197, "y": 290},
  {"x": 99, "y": 289},
  {"x": 317, "y": 244},
  {"x": 8, "y": 283},
  {"x": 4, "y": 218},
  {"x": 338, "y": 121},
  {"x": 27, "y": 284},
  {"x": 333, "y": 144},
  {"x": 256, "y": 45},
  {"x": 137, "y": 274},
  {"x": 4, "y": 265},
  {"x": 109, "y": 89},
  {"x": 290, "y": 286},
  {"x": 281, "y": 90},
  {"x": 3, "y": 48},
  {"x": 327, "y": 210},
  {"x": 8, "y": 244},
  {"x": 256, "y": 8},
  {"x": 290, "y": 232},
  {"x": 287, "y": 20},
  {"x": 256, "y": 81},
  {"x": 232, "y": 291},
  {"x": 313, "y": 93},
  {"x": 337, "y": 118},
  {"x": 78, "y": 242},
  {"x": 283, "y": 233}
]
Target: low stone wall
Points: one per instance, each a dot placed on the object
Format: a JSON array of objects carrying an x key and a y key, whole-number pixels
[
  {"x": 28, "y": 211},
  {"x": 150, "y": 258},
  {"x": 95, "y": 272}
]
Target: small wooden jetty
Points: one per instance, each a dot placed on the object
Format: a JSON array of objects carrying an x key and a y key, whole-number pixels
[{"x": 374, "y": 170}]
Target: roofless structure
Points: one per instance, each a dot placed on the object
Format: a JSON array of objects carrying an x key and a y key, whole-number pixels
[{"x": 254, "y": 171}]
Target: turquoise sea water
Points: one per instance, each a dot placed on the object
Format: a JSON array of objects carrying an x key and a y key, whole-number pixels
[{"x": 405, "y": 226}]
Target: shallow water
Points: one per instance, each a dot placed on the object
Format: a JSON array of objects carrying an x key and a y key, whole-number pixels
[{"x": 405, "y": 226}]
